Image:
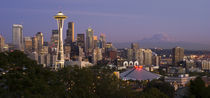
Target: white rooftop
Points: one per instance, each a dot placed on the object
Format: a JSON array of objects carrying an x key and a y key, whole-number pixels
[{"x": 138, "y": 74}]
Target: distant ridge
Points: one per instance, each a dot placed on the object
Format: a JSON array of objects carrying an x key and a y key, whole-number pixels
[{"x": 163, "y": 41}]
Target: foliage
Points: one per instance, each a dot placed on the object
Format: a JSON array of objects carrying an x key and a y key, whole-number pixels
[
  {"x": 153, "y": 93},
  {"x": 198, "y": 89},
  {"x": 164, "y": 87},
  {"x": 23, "y": 77}
]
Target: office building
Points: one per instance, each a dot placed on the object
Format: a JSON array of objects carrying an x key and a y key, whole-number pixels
[
  {"x": 177, "y": 55},
  {"x": 67, "y": 51},
  {"x": 205, "y": 65},
  {"x": 95, "y": 41},
  {"x": 28, "y": 46},
  {"x": 70, "y": 33},
  {"x": 102, "y": 41},
  {"x": 148, "y": 57},
  {"x": 34, "y": 44},
  {"x": 129, "y": 54},
  {"x": 97, "y": 55},
  {"x": 2, "y": 42},
  {"x": 17, "y": 36},
  {"x": 54, "y": 38},
  {"x": 81, "y": 41},
  {"x": 40, "y": 41},
  {"x": 134, "y": 46},
  {"x": 89, "y": 40},
  {"x": 139, "y": 56}
]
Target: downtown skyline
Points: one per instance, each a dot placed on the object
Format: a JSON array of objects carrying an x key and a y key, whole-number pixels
[{"x": 139, "y": 20}]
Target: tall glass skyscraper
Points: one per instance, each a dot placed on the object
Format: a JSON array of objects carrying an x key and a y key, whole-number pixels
[
  {"x": 70, "y": 33},
  {"x": 17, "y": 36},
  {"x": 102, "y": 41},
  {"x": 89, "y": 40}
]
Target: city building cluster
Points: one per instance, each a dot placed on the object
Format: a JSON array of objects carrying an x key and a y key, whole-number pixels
[
  {"x": 88, "y": 50},
  {"x": 84, "y": 50}
]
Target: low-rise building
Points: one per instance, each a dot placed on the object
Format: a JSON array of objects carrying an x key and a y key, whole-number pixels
[
  {"x": 80, "y": 64},
  {"x": 180, "y": 81}
]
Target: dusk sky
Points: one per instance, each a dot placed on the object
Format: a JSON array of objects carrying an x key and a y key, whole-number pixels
[{"x": 120, "y": 20}]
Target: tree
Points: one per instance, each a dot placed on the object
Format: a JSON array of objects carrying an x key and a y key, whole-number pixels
[
  {"x": 198, "y": 89},
  {"x": 164, "y": 87},
  {"x": 23, "y": 77},
  {"x": 153, "y": 93}
]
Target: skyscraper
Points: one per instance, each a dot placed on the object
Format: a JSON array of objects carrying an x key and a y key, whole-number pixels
[
  {"x": 1, "y": 43},
  {"x": 95, "y": 41},
  {"x": 102, "y": 41},
  {"x": 70, "y": 33},
  {"x": 177, "y": 55},
  {"x": 28, "y": 44},
  {"x": 54, "y": 39},
  {"x": 134, "y": 46},
  {"x": 148, "y": 57},
  {"x": 40, "y": 41},
  {"x": 17, "y": 34},
  {"x": 34, "y": 44},
  {"x": 81, "y": 41},
  {"x": 60, "y": 17},
  {"x": 89, "y": 40},
  {"x": 140, "y": 56},
  {"x": 97, "y": 55},
  {"x": 130, "y": 54}
]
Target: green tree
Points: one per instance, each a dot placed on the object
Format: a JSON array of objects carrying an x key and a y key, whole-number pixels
[
  {"x": 153, "y": 93},
  {"x": 23, "y": 77},
  {"x": 198, "y": 89},
  {"x": 164, "y": 87}
]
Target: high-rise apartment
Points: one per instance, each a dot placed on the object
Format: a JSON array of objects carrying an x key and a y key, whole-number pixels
[
  {"x": 177, "y": 55},
  {"x": 148, "y": 57}
]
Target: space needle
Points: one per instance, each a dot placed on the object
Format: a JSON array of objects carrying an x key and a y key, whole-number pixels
[{"x": 60, "y": 17}]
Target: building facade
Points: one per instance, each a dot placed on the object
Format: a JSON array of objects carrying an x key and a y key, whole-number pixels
[
  {"x": 2, "y": 42},
  {"x": 177, "y": 55},
  {"x": 17, "y": 36},
  {"x": 70, "y": 33},
  {"x": 40, "y": 41},
  {"x": 28, "y": 46},
  {"x": 89, "y": 40},
  {"x": 81, "y": 41}
]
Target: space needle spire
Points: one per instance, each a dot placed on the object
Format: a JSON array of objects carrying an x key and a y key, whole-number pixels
[{"x": 60, "y": 17}]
